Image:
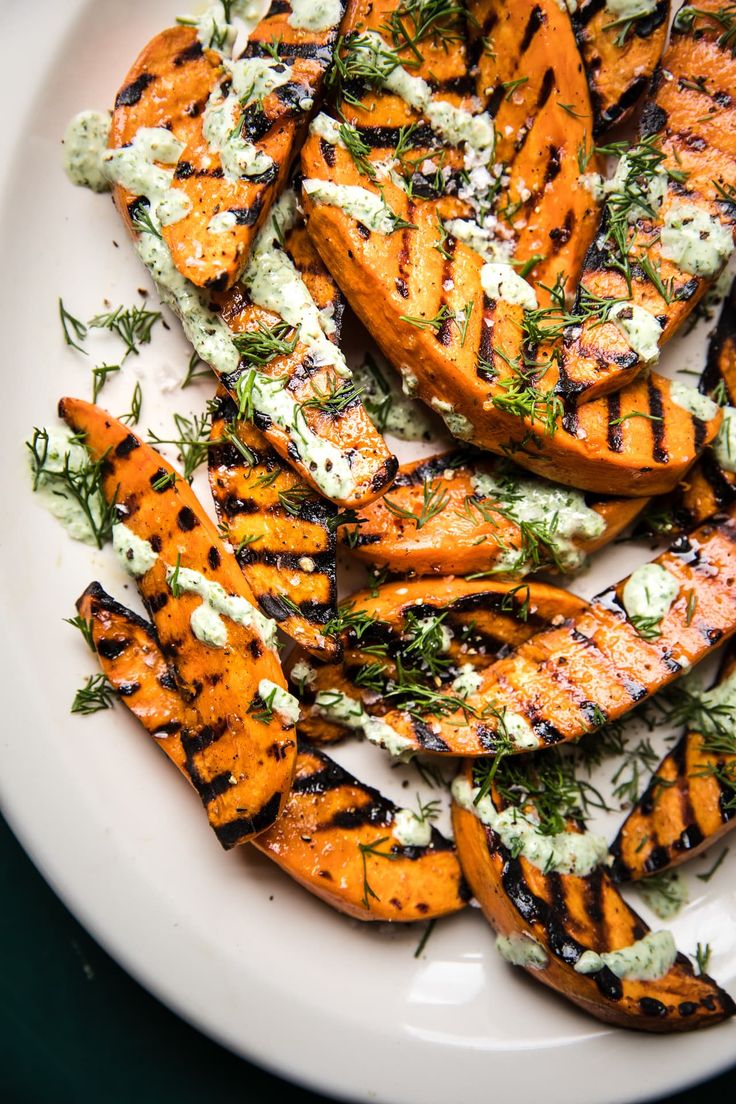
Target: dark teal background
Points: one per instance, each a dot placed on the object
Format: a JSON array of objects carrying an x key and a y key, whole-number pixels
[{"x": 74, "y": 1028}]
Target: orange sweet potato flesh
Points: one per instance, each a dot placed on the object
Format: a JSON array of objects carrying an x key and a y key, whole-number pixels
[
  {"x": 279, "y": 527},
  {"x": 244, "y": 758},
  {"x": 400, "y": 282},
  {"x": 696, "y": 139},
  {"x": 485, "y": 617},
  {"x": 618, "y": 71},
  {"x": 531, "y": 69},
  {"x": 685, "y": 809},
  {"x": 169, "y": 85},
  {"x": 567, "y": 915},
  {"x": 328, "y": 813},
  {"x": 466, "y": 535},
  {"x": 569, "y": 680}
]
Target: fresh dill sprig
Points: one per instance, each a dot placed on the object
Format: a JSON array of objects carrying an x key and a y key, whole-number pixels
[
  {"x": 339, "y": 396},
  {"x": 689, "y": 18},
  {"x": 373, "y": 848},
  {"x": 413, "y": 21},
  {"x": 133, "y": 325},
  {"x": 702, "y": 957},
  {"x": 78, "y": 328},
  {"x": 85, "y": 628},
  {"x": 434, "y": 499},
  {"x": 136, "y": 403},
  {"x": 96, "y": 694},
  {"x": 192, "y": 441},
  {"x": 99, "y": 377},
  {"x": 194, "y": 372},
  {"x": 263, "y": 344},
  {"x": 83, "y": 484}
]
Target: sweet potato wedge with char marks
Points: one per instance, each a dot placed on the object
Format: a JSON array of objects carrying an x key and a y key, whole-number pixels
[
  {"x": 563, "y": 915},
  {"x": 327, "y": 816},
  {"x": 605, "y": 446},
  {"x": 532, "y": 80},
  {"x": 619, "y": 58},
  {"x": 467, "y": 534},
  {"x": 170, "y": 85},
  {"x": 689, "y": 803},
  {"x": 279, "y": 527},
  {"x": 460, "y": 626},
  {"x": 422, "y": 296},
  {"x": 684, "y": 126},
  {"x": 244, "y": 753},
  {"x": 566, "y": 681}
]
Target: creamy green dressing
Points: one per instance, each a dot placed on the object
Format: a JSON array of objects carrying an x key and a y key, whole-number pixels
[
  {"x": 631, "y": 9},
  {"x": 648, "y": 188},
  {"x": 649, "y": 592},
  {"x": 640, "y": 328},
  {"x": 467, "y": 681},
  {"x": 337, "y": 707},
  {"x": 481, "y": 239},
  {"x": 272, "y": 281},
  {"x": 720, "y": 700},
  {"x": 222, "y": 222},
  {"x": 696, "y": 241},
  {"x": 61, "y": 450},
  {"x": 458, "y": 424},
  {"x": 388, "y": 407},
  {"x": 208, "y": 626},
  {"x": 563, "y": 512},
  {"x": 724, "y": 446},
  {"x": 565, "y": 853},
  {"x": 251, "y": 79},
  {"x": 238, "y": 609},
  {"x": 326, "y": 128},
  {"x": 666, "y": 895},
  {"x": 693, "y": 401},
  {"x": 135, "y": 554},
  {"x": 303, "y": 674},
  {"x": 522, "y": 950},
  {"x": 358, "y": 203},
  {"x": 216, "y": 33},
  {"x": 280, "y": 701},
  {"x": 411, "y": 830},
  {"x": 85, "y": 141},
  {"x": 647, "y": 959},
  {"x": 315, "y": 15},
  {"x": 502, "y": 282}
]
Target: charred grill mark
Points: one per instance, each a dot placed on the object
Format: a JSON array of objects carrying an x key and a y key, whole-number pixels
[
  {"x": 358, "y": 816},
  {"x": 193, "y": 743},
  {"x": 185, "y": 169},
  {"x": 216, "y": 787},
  {"x": 535, "y": 22},
  {"x": 309, "y": 51},
  {"x": 130, "y": 95},
  {"x": 530, "y": 907},
  {"x": 606, "y": 118},
  {"x": 554, "y": 164},
  {"x": 327, "y": 150},
  {"x": 124, "y": 448},
  {"x": 247, "y": 216},
  {"x": 546, "y": 87},
  {"x": 387, "y": 137},
  {"x": 237, "y": 830},
  {"x": 657, "y": 427},
  {"x": 187, "y": 520},
  {"x": 426, "y": 738},
  {"x": 560, "y": 235},
  {"x": 112, "y": 647},
  {"x": 570, "y": 411},
  {"x": 192, "y": 53},
  {"x": 484, "y": 357},
  {"x": 615, "y": 432}
]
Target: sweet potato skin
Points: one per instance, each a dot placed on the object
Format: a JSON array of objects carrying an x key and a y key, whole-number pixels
[
  {"x": 567, "y": 915},
  {"x": 245, "y": 758},
  {"x": 328, "y": 813}
]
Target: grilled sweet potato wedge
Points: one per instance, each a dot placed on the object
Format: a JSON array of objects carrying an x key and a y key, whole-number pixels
[
  {"x": 531, "y": 79},
  {"x": 620, "y": 57},
  {"x": 434, "y": 521},
  {"x": 565, "y": 915},
  {"x": 243, "y": 751},
  {"x": 685, "y": 148},
  {"x": 421, "y": 293},
  {"x": 689, "y": 803},
  {"x": 176, "y": 82},
  {"x": 283, "y": 532},
  {"x": 331, "y": 823},
  {"x": 566, "y": 681},
  {"x": 411, "y": 640}
]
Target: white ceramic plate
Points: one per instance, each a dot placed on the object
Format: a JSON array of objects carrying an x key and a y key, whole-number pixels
[{"x": 225, "y": 939}]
